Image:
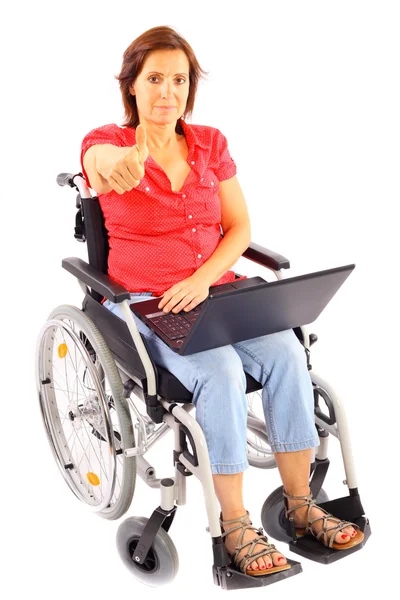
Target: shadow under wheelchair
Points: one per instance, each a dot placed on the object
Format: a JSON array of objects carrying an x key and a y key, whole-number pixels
[{"x": 105, "y": 403}]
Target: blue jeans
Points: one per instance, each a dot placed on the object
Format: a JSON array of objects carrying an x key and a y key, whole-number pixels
[{"x": 217, "y": 381}]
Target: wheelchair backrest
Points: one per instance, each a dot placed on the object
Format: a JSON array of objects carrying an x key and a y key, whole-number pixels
[{"x": 96, "y": 236}]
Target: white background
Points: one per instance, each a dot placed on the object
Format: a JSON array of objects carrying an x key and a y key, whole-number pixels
[{"x": 307, "y": 94}]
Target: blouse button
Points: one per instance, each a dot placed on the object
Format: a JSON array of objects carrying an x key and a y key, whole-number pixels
[
  {"x": 212, "y": 183},
  {"x": 199, "y": 256},
  {"x": 147, "y": 189},
  {"x": 193, "y": 229},
  {"x": 189, "y": 216},
  {"x": 202, "y": 179},
  {"x": 183, "y": 195},
  {"x": 193, "y": 162}
]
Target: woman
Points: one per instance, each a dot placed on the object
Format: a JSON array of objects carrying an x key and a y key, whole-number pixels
[{"x": 165, "y": 188}]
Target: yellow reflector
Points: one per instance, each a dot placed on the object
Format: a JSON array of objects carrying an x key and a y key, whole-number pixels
[
  {"x": 93, "y": 479},
  {"x": 62, "y": 350}
]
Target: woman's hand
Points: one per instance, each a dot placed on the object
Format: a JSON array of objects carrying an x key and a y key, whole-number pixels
[
  {"x": 186, "y": 295},
  {"x": 127, "y": 167}
]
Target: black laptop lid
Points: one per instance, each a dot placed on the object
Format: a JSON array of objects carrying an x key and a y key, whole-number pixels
[{"x": 244, "y": 314}]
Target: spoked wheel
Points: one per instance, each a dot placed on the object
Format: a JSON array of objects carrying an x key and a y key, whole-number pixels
[
  {"x": 86, "y": 417},
  {"x": 161, "y": 564},
  {"x": 273, "y": 512},
  {"x": 259, "y": 453}
]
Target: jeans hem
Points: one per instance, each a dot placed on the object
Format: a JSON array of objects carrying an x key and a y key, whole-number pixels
[
  {"x": 221, "y": 469},
  {"x": 295, "y": 446}
]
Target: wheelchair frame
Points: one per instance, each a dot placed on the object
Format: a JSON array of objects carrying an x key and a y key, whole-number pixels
[{"x": 143, "y": 382}]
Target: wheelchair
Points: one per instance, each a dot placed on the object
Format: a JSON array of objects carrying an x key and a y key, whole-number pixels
[{"x": 104, "y": 403}]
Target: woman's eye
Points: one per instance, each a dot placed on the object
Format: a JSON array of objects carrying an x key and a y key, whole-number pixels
[
  {"x": 153, "y": 79},
  {"x": 180, "y": 80}
]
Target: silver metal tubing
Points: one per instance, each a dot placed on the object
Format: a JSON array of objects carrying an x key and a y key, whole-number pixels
[
  {"x": 332, "y": 429},
  {"x": 167, "y": 496},
  {"x": 322, "y": 450},
  {"x": 343, "y": 431},
  {"x": 203, "y": 471},
  {"x": 180, "y": 488},
  {"x": 140, "y": 347},
  {"x": 147, "y": 472},
  {"x": 256, "y": 423},
  {"x": 82, "y": 186}
]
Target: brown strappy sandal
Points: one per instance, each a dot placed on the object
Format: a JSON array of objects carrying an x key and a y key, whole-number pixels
[
  {"x": 248, "y": 558},
  {"x": 322, "y": 536}
]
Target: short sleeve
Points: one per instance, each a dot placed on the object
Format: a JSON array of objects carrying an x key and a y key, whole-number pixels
[
  {"x": 107, "y": 134},
  {"x": 226, "y": 165}
]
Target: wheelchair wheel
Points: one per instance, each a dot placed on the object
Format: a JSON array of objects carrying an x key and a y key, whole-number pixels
[
  {"x": 162, "y": 562},
  {"x": 273, "y": 511},
  {"x": 86, "y": 417},
  {"x": 259, "y": 453}
]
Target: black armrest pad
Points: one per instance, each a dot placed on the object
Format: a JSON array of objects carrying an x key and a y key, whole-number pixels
[
  {"x": 101, "y": 283},
  {"x": 266, "y": 257}
]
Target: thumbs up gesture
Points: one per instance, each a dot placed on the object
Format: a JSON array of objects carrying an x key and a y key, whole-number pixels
[{"x": 127, "y": 164}]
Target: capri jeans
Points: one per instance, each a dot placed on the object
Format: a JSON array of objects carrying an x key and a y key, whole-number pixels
[{"x": 217, "y": 380}]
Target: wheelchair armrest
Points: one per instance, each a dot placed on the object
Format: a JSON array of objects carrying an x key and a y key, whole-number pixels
[
  {"x": 266, "y": 257},
  {"x": 98, "y": 281}
]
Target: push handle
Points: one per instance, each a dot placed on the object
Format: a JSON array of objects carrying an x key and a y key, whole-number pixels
[
  {"x": 77, "y": 181},
  {"x": 67, "y": 179}
]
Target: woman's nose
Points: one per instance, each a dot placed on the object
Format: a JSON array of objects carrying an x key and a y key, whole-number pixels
[{"x": 166, "y": 90}]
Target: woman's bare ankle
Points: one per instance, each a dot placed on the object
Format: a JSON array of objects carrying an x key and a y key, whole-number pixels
[{"x": 232, "y": 513}]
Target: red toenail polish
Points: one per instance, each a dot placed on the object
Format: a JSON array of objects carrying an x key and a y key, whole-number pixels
[
  {"x": 280, "y": 558},
  {"x": 344, "y": 536},
  {"x": 263, "y": 567}
]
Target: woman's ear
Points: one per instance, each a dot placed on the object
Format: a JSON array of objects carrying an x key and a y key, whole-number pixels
[{"x": 132, "y": 90}]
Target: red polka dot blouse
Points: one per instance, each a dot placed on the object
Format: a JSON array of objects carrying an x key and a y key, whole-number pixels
[{"x": 158, "y": 237}]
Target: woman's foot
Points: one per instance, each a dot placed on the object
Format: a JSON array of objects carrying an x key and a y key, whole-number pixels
[
  {"x": 275, "y": 559},
  {"x": 300, "y": 517}
]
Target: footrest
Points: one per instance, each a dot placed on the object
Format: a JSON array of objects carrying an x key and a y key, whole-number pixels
[
  {"x": 230, "y": 578},
  {"x": 309, "y": 547}
]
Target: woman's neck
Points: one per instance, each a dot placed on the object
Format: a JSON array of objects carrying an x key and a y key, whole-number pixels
[{"x": 160, "y": 137}]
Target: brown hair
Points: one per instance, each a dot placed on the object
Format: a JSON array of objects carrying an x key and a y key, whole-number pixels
[{"x": 157, "y": 38}]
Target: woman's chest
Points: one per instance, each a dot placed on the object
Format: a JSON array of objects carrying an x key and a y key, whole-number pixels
[{"x": 176, "y": 169}]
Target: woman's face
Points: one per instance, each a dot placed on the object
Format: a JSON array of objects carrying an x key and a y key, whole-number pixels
[{"x": 162, "y": 87}]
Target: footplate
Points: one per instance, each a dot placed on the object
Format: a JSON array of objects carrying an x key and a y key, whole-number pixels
[
  {"x": 309, "y": 547},
  {"x": 230, "y": 578}
]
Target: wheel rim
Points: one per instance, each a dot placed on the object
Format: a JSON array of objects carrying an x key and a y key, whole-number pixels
[
  {"x": 259, "y": 451},
  {"x": 151, "y": 562},
  {"x": 74, "y": 400}
]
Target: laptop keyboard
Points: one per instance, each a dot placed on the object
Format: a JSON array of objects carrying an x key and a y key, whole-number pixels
[{"x": 176, "y": 326}]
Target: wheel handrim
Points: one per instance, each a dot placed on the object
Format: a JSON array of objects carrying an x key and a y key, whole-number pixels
[
  {"x": 259, "y": 451},
  {"x": 72, "y": 408}
]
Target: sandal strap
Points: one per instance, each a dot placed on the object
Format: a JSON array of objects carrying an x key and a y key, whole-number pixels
[
  {"x": 250, "y": 556},
  {"x": 335, "y": 529},
  {"x": 310, "y": 502}
]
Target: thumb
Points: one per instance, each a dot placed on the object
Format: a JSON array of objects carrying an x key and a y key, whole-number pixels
[{"x": 141, "y": 142}]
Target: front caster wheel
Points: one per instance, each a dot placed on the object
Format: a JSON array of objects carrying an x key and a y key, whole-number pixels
[
  {"x": 273, "y": 512},
  {"x": 162, "y": 562}
]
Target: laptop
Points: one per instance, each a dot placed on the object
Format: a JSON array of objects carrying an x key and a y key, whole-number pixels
[{"x": 242, "y": 310}]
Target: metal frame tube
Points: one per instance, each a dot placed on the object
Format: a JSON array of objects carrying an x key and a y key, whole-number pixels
[
  {"x": 203, "y": 470},
  {"x": 342, "y": 431}
]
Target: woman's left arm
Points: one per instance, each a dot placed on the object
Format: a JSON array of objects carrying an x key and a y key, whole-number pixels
[{"x": 235, "y": 223}]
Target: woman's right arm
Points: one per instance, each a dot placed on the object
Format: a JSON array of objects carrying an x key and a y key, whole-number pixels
[
  {"x": 116, "y": 168},
  {"x": 97, "y": 161}
]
